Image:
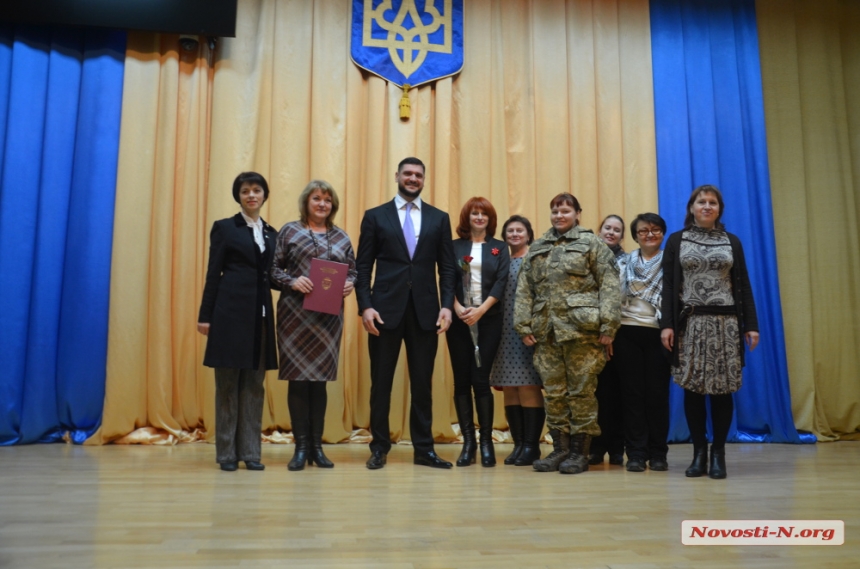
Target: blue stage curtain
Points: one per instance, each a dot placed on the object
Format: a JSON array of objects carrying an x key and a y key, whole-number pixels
[
  {"x": 60, "y": 104},
  {"x": 710, "y": 126}
]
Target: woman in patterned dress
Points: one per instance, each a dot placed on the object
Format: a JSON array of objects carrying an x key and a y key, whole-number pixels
[
  {"x": 512, "y": 369},
  {"x": 707, "y": 313},
  {"x": 308, "y": 341}
]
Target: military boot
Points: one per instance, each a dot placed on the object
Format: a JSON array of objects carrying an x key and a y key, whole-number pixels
[
  {"x": 578, "y": 460},
  {"x": 561, "y": 448}
]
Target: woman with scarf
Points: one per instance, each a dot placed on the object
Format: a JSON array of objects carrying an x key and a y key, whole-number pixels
[{"x": 642, "y": 361}]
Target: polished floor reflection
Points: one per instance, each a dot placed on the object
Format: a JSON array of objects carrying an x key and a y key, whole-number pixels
[{"x": 73, "y": 507}]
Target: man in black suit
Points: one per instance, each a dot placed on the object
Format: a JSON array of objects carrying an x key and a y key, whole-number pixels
[{"x": 408, "y": 240}]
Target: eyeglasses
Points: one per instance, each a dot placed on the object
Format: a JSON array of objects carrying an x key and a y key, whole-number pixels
[{"x": 656, "y": 232}]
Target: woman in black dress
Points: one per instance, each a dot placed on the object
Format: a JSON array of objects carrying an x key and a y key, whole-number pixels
[
  {"x": 609, "y": 404},
  {"x": 483, "y": 271},
  {"x": 236, "y": 314}
]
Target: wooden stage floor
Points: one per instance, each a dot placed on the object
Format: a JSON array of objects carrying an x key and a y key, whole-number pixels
[{"x": 69, "y": 507}]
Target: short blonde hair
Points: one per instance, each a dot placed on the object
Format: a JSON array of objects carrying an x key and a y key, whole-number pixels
[{"x": 326, "y": 189}]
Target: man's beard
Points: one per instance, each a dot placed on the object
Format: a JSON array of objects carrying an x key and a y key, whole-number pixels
[{"x": 404, "y": 191}]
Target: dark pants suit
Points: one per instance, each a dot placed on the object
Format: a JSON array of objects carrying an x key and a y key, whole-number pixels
[{"x": 404, "y": 294}]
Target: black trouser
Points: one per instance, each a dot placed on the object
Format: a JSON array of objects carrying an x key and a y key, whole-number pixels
[
  {"x": 722, "y": 408},
  {"x": 420, "y": 356},
  {"x": 610, "y": 414},
  {"x": 467, "y": 375},
  {"x": 645, "y": 376}
]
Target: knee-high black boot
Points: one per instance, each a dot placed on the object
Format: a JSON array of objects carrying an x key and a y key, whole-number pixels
[
  {"x": 319, "y": 401},
  {"x": 298, "y": 404},
  {"x": 514, "y": 414},
  {"x": 484, "y": 406},
  {"x": 463, "y": 404},
  {"x": 533, "y": 420}
]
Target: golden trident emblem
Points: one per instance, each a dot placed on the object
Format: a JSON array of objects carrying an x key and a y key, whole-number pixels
[{"x": 414, "y": 42}]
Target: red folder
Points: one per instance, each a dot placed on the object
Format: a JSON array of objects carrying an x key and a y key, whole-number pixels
[{"x": 329, "y": 279}]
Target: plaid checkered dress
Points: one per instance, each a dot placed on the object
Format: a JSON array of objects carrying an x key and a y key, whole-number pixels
[{"x": 308, "y": 341}]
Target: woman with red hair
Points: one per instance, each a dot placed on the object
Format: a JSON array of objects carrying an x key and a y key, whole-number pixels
[{"x": 474, "y": 336}]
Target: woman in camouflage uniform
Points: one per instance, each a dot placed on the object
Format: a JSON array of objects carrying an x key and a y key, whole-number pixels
[{"x": 568, "y": 304}]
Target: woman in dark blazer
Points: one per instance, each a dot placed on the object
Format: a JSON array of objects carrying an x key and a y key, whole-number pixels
[
  {"x": 483, "y": 262},
  {"x": 237, "y": 317}
]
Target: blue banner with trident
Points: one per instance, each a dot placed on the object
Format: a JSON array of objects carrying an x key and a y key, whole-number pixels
[{"x": 408, "y": 42}]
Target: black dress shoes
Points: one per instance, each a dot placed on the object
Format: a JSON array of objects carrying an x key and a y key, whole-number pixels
[
  {"x": 254, "y": 465},
  {"x": 615, "y": 459},
  {"x": 658, "y": 464},
  {"x": 430, "y": 459},
  {"x": 635, "y": 465},
  {"x": 377, "y": 460},
  {"x": 229, "y": 466}
]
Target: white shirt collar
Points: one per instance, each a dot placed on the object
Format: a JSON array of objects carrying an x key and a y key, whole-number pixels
[
  {"x": 251, "y": 222},
  {"x": 399, "y": 202}
]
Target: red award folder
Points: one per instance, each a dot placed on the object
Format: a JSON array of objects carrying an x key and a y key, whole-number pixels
[{"x": 329, "y": 278}]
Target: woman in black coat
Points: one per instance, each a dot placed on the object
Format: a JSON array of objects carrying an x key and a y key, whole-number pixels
[
  {"x": 483, "y": 262},
  {"x": 708, "y": 314},
  {"x": 237, "y": 317}
]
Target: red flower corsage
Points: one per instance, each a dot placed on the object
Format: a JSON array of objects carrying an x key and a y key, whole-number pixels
[
  {"x": 495, "y": 251},
  {"x": 467, "y": 258}
]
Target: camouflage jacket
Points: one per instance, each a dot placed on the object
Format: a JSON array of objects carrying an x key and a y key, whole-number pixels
[{"x": 568, "y": 285}]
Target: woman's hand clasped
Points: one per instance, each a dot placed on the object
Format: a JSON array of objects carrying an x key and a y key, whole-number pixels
[
  {"x": 471, "y": 315},
  {"x": 529, "y": 340},
  {"x": 348, "y": 287},
  {"x": 303, "y": 285}
]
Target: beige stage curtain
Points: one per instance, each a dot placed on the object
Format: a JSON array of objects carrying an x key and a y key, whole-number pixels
[
  {"x": 156, "y": 390},
  {"x": 810, "y": 59},
  {"x": 554, "y": 96}
]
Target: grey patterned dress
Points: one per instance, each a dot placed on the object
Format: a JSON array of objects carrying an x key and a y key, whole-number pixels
[
  {"x": 513, "y": 364},
  {"x": 308, "y": 341},
  {"x": 709, "y": 356}
]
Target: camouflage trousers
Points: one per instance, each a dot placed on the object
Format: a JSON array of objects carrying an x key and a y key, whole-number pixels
[{"x": 569, "y": 373}]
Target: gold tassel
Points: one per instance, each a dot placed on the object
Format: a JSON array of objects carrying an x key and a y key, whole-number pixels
[{"x": 404, "y": 103}]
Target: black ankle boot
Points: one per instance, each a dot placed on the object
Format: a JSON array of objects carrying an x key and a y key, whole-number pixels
[
  {"x": 463, "y": 405},
  {"x": 718, "y": 463},
  {"x": 699, "y": 466},
  {"x": 300, "y": 457},
  {"x": 484, "y": 407},
  {"x": 514, "y": 414},
  {"x": 533, "y": 420}
]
